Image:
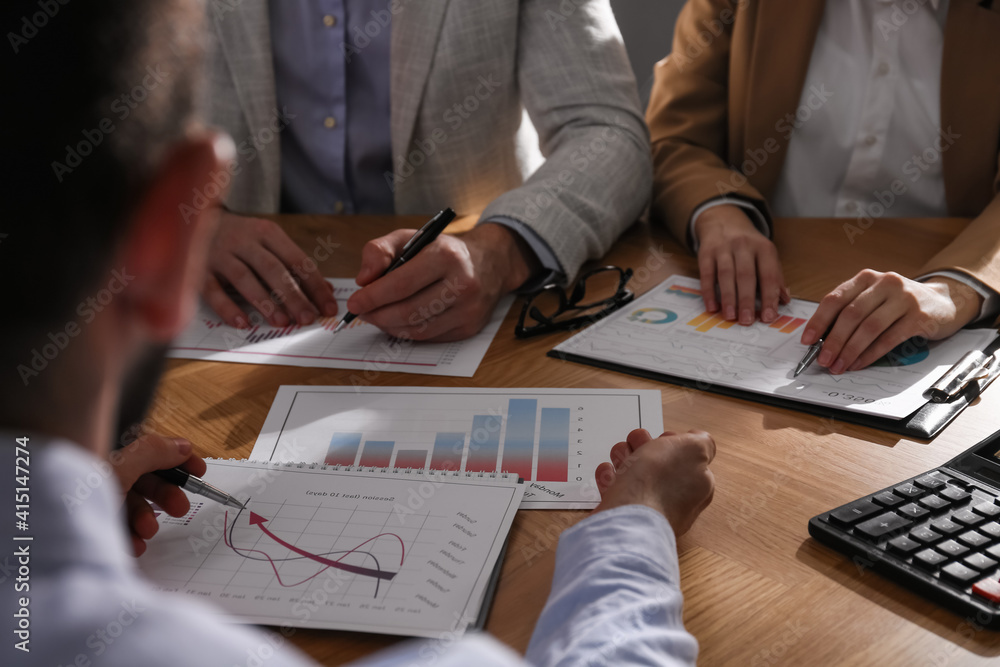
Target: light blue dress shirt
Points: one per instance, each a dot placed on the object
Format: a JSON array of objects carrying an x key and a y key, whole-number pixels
[
  {"x": 615, "y": 597},
  {"x": 331, "y": 68}
]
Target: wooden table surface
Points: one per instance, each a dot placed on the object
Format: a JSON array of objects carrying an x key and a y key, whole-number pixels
[{"x": 757, "y": 589}]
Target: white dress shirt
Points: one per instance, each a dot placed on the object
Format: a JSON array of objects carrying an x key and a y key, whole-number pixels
[
  {"x": 871, "y": 145},
  {"x": 615, "y": 597}
]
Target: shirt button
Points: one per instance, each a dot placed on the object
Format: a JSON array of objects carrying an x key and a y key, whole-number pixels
[
  {"x": 329, "y": 20},
  {"x": 870, "y": 140},
  {"x": 338, "y": 207},
  {"x": 330, "y": 122},
  {"x": 882, "y": 69}
]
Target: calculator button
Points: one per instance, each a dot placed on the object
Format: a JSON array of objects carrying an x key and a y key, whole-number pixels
[
  {"x": 929, "y": 482},
  {"x": 913, "y": 510},
  {"x": 987, "y": 509},
  {"x": 952, "y": 548},
  {"x": 988, "y": 588},
  {"x": 928, "y": 559},
  {"x": 945, "y": 526},
  {"x": 882, "y": 525},
  {"x": 854, "y": 512},
  {"x": 967, "y": 518},
  {"x": 994, "y": 551},
  {"x": 903, "y": 545},
  {"x": 979, "y": 562},
  {"x": 925, "y": 535},
  {"x": 888, "y": 499},
  {"x": 954, "y": 494},
  {"x": 959, "y": 573},
  {"x": 909, "y": 490},
  {"x": 992, "y": 529},
  {"x": 974, "y": 539},
  {"x": 936, "y": 503}
]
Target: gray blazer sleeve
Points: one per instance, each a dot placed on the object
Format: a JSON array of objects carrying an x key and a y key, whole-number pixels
[{"x": 578, "y": 88}]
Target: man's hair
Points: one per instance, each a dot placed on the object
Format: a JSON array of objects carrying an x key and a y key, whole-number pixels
[{"x": 95, "y": 95}]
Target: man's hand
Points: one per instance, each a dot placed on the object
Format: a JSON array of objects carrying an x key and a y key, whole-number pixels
[
  {"x": 133, "y": 465},
  {"x": 669, "y": 474},
  {"x": 449, "y": 290},
  {"x": 734, "y": 255},
  {"x": 257, "y": 258},
  {"x": 874, "y": 312}
]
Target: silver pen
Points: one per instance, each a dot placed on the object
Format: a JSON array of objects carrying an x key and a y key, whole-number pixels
[
  {"x": 811, "y": 354},
  {"x": 198, "y": 486}
]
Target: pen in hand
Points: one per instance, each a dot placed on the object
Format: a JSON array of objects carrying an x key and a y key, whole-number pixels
[
  {"x": 423, "y": 238},
  {"x": 196, "y": 485},
  {"x": 811, "y": 353}
]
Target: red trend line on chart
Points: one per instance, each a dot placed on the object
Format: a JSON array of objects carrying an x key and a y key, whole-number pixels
[{"x": 378, "y": 574}]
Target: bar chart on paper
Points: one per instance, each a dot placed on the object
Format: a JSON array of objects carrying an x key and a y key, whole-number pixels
[
  {"x": 358, "y": 346},
  {"x": 551, "y": 438}
]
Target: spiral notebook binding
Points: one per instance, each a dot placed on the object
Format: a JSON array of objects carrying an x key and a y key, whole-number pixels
[{"x": 375, "y": 469}]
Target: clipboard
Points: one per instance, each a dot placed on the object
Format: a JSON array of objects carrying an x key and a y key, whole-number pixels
[{"x": 957, "y": 389}]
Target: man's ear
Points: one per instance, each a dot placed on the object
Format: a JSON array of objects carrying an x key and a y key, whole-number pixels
[{"x": 165, "y": 251}]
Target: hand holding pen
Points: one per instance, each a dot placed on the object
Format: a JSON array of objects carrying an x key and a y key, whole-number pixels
[
  {"x": 140, "y": 468},
  {"x": 423, "y": 238}
]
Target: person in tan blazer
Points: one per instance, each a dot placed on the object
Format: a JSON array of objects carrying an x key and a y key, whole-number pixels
[{"x": 855, "y": 109}]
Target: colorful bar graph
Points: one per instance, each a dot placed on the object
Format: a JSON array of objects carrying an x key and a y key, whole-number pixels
[
  {"x": 781, "y": 321},
  {"x": 793, "y": 325},
  {"x": 688, "y": 292},
  {"x": 343, "y": 449},
  {"x": 447, "y": 453},
  {"x": 377, "y": 453},
  {"x": 484, "y": 443},
  {"x": 519, "y": 441},
  {"x": 710, "y": 322},
  {"x": 411, "y": 458},
  {"x": 553, "y": 445}
]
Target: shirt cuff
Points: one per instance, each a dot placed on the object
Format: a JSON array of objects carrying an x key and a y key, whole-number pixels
[
  {"x": 634, "y": 530},
  {"x": 756, "y": 217},
  {"x": 991, "y": 299},
  {"x": 552, "y": 271}
]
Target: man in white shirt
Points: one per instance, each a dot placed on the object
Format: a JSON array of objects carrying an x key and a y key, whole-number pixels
[
  {"x": 856, "y": 108},
  {"x": 93, "y": 305}
]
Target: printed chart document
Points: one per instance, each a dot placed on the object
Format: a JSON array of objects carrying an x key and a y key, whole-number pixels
[
  {"x": 668, "y": 331},
  {"x": 359, "y": 346},
  {"x": 553, "y": 439},
  {"x": 394, "y": 552}
]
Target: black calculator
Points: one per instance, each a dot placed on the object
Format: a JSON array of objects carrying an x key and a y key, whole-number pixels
[{"x": 937, "y": 534}]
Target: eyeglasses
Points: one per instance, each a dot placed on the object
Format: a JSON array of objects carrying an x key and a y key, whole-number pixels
[{"x": 596, "y": 294}]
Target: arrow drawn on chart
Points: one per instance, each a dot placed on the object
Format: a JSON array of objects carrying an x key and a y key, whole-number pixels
[{"x": 258, "y": 520}]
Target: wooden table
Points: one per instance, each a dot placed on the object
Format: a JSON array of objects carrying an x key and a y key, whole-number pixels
[{"x": 758, "y": 590}]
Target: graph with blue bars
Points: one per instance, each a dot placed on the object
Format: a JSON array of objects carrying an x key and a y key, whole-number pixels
[{"x": 552, "y": 439}]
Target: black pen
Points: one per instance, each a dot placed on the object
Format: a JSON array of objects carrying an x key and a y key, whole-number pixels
[
  {"x": 189, "y": 482},
  {"x": 423, "y": 238},
  {"x": 812, "y": 353}
]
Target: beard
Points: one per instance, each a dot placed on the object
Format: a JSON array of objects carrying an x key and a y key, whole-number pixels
[{"x": 137, "y": 394}]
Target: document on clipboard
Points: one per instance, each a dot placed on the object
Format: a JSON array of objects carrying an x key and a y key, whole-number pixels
[{"x": 667, "y": 334}]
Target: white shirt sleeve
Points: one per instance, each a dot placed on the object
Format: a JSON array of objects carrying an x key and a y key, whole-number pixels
[{"x": 756, "y": 217}]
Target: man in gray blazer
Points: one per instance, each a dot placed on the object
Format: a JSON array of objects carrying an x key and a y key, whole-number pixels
[{"x": 521, "y": 112}]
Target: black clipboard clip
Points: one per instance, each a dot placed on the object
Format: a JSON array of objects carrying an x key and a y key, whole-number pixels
[{"x": 976, "y": 367}]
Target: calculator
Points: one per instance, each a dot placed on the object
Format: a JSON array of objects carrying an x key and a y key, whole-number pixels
[{"x": 937, "y": 534}]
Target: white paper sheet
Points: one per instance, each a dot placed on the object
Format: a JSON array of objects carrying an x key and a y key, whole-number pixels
[
  {"x": 406, "y": 554},
  {"x": 668, "y": 331},
  {"x": 553, "y": 438},
  {"x": 360, "y": 346}
]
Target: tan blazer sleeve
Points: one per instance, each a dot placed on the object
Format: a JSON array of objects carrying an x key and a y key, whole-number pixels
[
  {"x": 688, "y": 119},
  {"x": 976, "y": 251}
]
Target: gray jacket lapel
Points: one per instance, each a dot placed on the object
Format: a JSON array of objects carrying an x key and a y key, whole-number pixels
[
  {"x": 415, "y": 32},
  {"x": 245, "y": 37}
]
